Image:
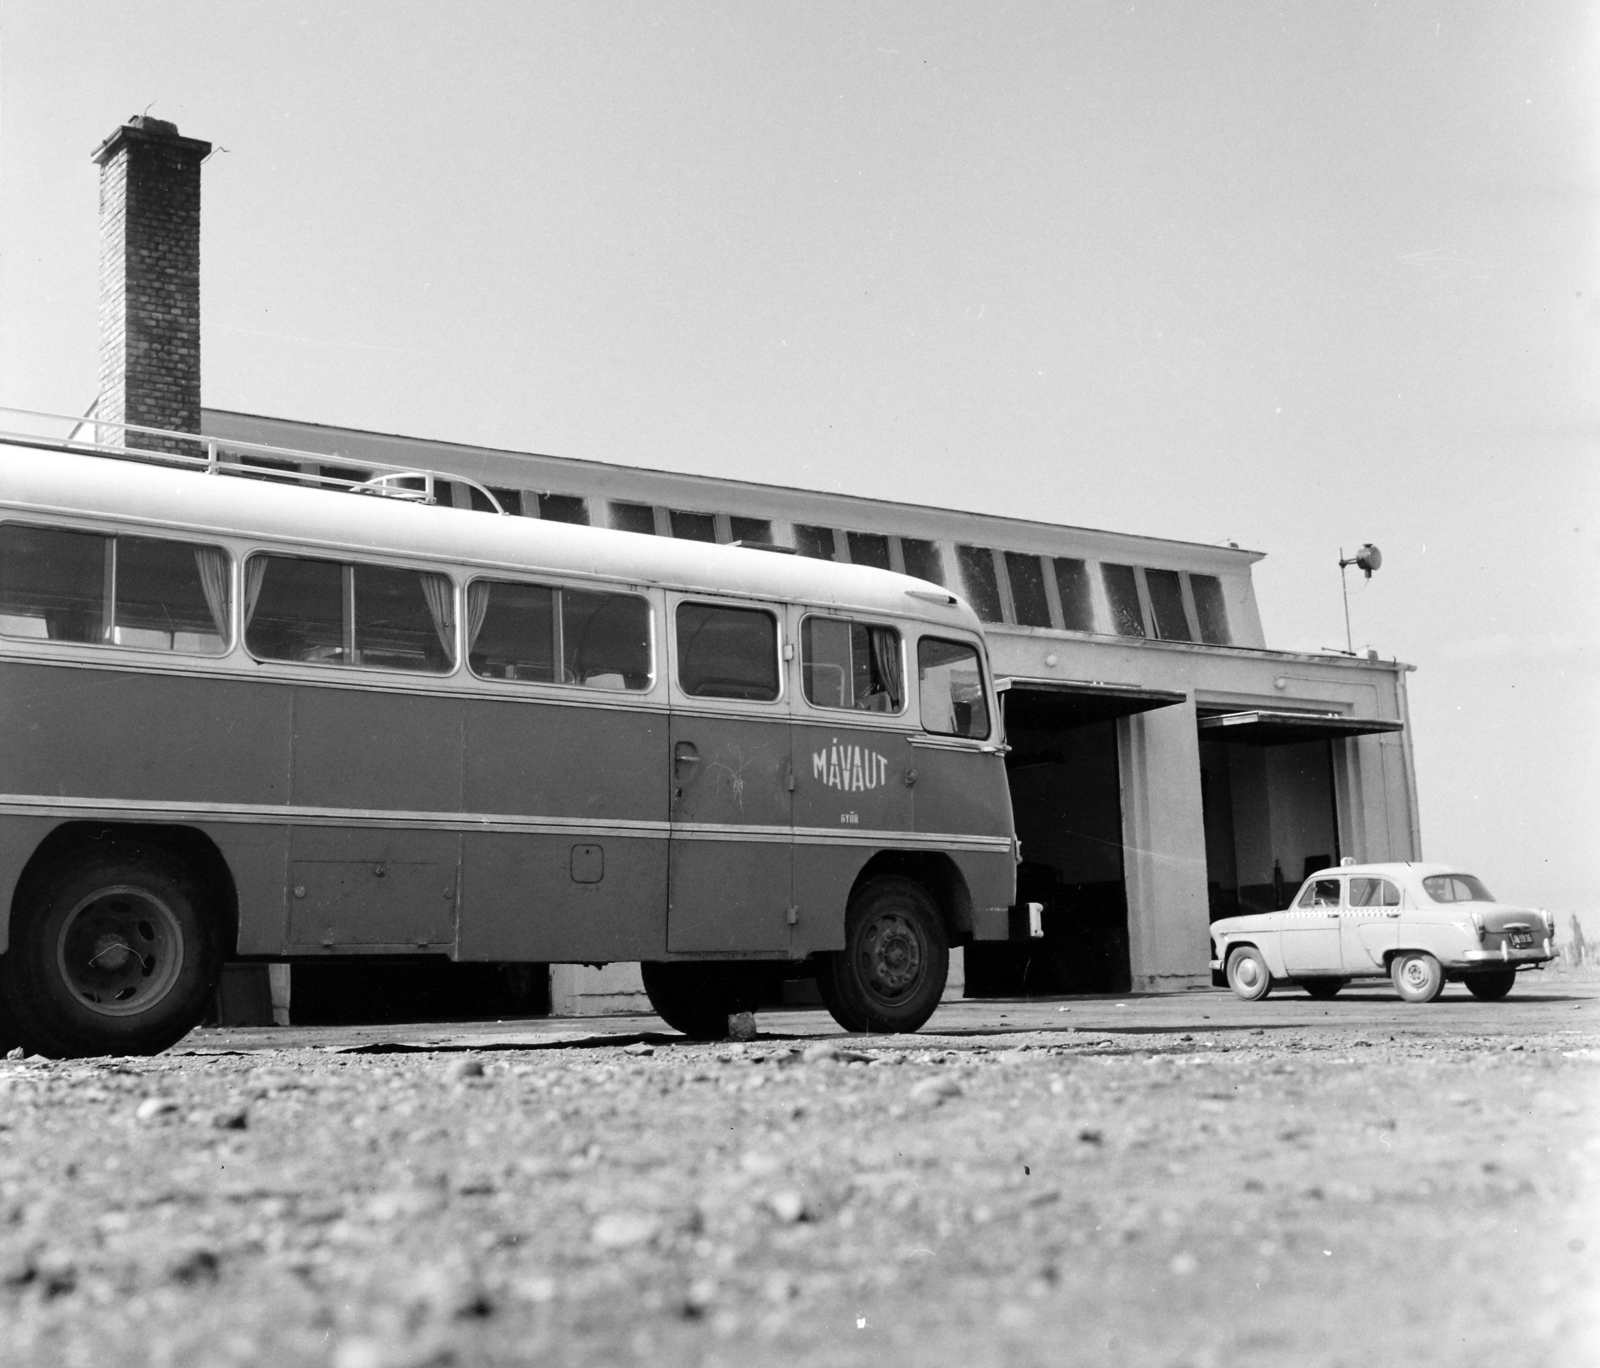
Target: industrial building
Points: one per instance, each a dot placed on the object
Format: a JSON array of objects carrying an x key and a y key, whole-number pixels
[{"x": 1168, "y": 767}]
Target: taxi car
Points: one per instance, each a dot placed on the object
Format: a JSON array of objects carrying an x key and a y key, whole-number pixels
[{"x": 1418, "y": 925}]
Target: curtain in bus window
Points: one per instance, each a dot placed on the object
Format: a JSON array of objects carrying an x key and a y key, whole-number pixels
[
  {"x": 1122, "y": 591},
  {"x": 727, "y": 652},
  {"x": 255, "y": 574},
  {"x": 950, "y": 689},
  {"x": 53, "y": 583},
  {"x": 515, "y": 635},
  {"x": 477, "y": 607},
  {"x": 160, "y": 601},
  {"x": 605, "y": 639},
  {"x": 886, "y": 681},
  {"x": 394, "y": 626},
  {"x": 211, "y": 563},
  {"x": 297, "y": 611},
  {"x": 440, "y": 596},
  {"x": 1166, "y": 604}
]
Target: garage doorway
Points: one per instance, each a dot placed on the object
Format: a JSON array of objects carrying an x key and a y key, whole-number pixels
[
  {"x": 1066, "y": 799},
  {"x": 1269, "y": 801}
]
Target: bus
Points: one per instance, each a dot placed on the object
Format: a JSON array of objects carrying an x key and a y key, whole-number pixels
[{"x": 248, "y": 714}]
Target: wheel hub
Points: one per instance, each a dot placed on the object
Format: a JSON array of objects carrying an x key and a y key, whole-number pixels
[
  {"x": 891, "y": 956},
  {"x": 1248, "y": 972},
  {"x": 120, "y": 951}
]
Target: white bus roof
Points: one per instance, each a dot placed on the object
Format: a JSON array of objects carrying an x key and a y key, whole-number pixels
[{"x": 52, "y": 482}]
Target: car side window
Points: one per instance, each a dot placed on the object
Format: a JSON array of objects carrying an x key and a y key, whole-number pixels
[
  {"x": 1320, "y": 893},
  {"x": 727, "y": 652},
  {"x": 1370, "y": 892}
]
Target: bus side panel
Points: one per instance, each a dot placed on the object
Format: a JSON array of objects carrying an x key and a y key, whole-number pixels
[
  {"x": 133, "y": 735},
  {"x": 961, "y": 791},
  {"x": 823, "y": 878},
  {"x": 367, "y": 750},
  {"x": 992, "y": 882},
  {"x": 588, "y": 893},
  {"x": 533, "y": 758},
  {"x": 369, "y": 887},
  {"x": 19, "y": 838},
  {"x": 563, "y": 898},
  {"x": 256, "y": 855}
]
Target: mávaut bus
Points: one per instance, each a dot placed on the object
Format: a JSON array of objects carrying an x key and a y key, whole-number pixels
[{"x": 260, "y": 718}]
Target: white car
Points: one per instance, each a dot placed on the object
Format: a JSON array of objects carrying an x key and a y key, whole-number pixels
[{"x": 1418, "y": 925}]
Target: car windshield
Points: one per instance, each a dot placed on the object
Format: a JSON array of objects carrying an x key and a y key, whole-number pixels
[{"x": 1453, "y": 888}]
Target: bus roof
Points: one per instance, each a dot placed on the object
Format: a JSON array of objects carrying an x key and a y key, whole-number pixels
[{"x": 52, "y": 482}]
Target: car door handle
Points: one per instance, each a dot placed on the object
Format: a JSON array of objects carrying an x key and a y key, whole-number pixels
[{"x": 684, "y": 753}]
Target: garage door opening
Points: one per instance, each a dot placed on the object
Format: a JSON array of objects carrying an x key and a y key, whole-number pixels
[
  {"x": 1066, "y": 797},
  {"x": 1267, "y": 793}
]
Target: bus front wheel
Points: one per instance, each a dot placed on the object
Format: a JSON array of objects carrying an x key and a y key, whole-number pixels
[
  {"x": 112, "y": 952},
  {"x": 891, "y": 973}
]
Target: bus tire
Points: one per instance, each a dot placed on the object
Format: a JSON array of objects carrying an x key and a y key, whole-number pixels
[
  {"x": 113, "y": 951},
  {"x": 891, "y": 973},
  {"x": 698, "y": 996}
]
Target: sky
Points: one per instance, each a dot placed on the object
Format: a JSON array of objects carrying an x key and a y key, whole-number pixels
[{"x": 1300, "y": 276}]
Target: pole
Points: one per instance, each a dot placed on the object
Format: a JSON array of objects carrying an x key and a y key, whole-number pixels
[{"x": 1344, "y": 588}]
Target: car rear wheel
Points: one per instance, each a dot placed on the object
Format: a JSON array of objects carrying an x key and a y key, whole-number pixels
[
  {"x": 113, "y": 951},
  {"x": 1417, "y": 976},
  {"x": 1323, "y": 989},
  {"x": 698, "y": 997},
  {"x": 1491, "y": 987},
  {"x": 1248, "y": 974},
  {"x": 891, "y": 973}
]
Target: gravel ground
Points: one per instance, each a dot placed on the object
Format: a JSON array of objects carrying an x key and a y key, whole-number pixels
[{"x": 1171, "y": 1181}]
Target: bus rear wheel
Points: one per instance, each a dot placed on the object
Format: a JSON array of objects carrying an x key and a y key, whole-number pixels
[
  {"x": 113, "y": 951},
  {"x": 698, "y": 996},
  {"x": 891, "y": 973}
]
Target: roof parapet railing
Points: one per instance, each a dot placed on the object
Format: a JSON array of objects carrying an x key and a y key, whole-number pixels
[{"x": 250, "y": 460}]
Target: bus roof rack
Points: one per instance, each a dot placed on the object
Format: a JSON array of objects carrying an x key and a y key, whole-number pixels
[{"x": 92, "y": 435}]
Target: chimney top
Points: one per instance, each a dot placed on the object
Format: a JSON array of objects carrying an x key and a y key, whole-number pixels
[{"x": 142, "y": 128}]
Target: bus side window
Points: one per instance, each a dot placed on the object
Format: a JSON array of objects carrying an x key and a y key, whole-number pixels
[
  {"x": 950, "y": 689},
  {"x": 144, "y": 592},
  {"x": 851, "y": 665},
  {"x": 511, "y": 631},
  {"x": 605, "y": 639},
  {"x": 53, "y": 583},
  {"x": 328, "y": 613},
  {"x": 518, "y": 631},
  {"x": 727, "y": 652}
]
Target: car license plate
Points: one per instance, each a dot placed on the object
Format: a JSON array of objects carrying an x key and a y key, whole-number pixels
[{"x": 1521, "y": 939}]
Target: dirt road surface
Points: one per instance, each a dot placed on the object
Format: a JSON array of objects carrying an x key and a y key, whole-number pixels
[{"x": 1177, "y": 1181}]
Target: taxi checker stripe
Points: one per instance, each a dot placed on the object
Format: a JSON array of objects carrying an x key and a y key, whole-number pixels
[{"x": 21, "y": 805}]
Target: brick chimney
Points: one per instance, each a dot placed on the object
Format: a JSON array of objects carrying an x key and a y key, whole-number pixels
[{"x": 150, "y": 280}]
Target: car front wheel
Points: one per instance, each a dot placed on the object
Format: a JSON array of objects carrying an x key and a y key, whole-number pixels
[
  {"x": 1491, "y": 987},
  {"x": 1248, "y": 975},
  {"x": 1417, "y": 976}
]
